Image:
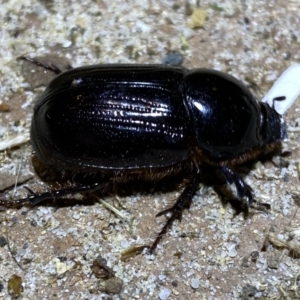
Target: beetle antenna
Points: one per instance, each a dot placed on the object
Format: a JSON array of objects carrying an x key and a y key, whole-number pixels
[{"x": 280, "y": 98}]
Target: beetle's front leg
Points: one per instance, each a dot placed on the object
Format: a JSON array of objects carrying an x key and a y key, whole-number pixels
[
  {"x": 243, "y": 189},
  {"x": 183, "y": 202},
  {"x": 35, "y": 199}
]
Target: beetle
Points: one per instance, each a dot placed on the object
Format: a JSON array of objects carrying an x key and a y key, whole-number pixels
[{"x": 116, "y": 123}]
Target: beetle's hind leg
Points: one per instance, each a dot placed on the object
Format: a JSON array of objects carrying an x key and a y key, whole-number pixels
[
  {"x": 50, "y": 67},
  {"x": 34, "y": 199},
  {"x": 183, "y": 202},
  {"x": 243, "y": 189}
]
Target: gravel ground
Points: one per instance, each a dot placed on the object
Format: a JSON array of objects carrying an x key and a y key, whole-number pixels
[{"x": 214, "y": 253}]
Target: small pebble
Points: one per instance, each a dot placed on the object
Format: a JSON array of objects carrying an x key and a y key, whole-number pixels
[
  {"x": 173, "y": 59},
  {"x": 188, "y": 33},
  {"x": 232, "y": 250},
  {"x": 164, "y": 294},
  {"x": 195, "y": 283},
  {"x": 3, "y": 241},
  {"x": 67, "y": 43},
  {"x": 161, "y": 277},
  {"x": 175, "y": 283},
  {"x": 76, "y": 216}
]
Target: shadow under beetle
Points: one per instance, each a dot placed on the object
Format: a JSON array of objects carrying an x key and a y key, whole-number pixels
[{"x": 126, "y": 122}]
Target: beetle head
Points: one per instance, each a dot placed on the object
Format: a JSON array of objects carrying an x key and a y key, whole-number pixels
[{"x": 272, "y": 126}]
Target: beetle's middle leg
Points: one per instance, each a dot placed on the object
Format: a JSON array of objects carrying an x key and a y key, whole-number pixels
[{"x": 183, "y": 202}]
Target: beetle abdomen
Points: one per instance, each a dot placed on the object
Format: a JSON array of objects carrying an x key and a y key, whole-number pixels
[{"x": 102, "y": 119}]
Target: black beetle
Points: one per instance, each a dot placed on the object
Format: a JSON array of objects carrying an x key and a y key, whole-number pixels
[{"x": 125, "y": 122}]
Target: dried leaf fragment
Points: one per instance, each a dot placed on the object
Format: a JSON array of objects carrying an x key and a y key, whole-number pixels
[
  {"x": 132, "y": 252},
  {"x": 14, "y": 285},
  {"x": 198, "y": 18},
  {"x": 4, "y": 107}
]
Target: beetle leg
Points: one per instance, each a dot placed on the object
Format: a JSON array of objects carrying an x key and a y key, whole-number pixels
[
  {"x": 50, "y": 67},
  {"x": 35, "y": 199},
  {"x": 183, "y": 202},
  {"x": 243, "y": 189}
]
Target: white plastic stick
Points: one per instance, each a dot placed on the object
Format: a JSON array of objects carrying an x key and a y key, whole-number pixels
[{"x": 288, "y": 86}]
